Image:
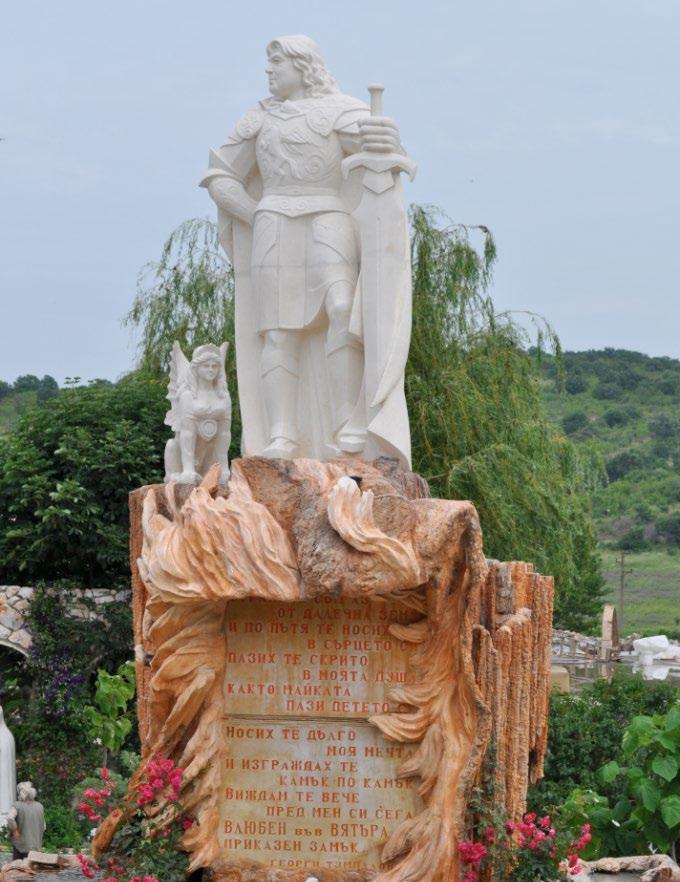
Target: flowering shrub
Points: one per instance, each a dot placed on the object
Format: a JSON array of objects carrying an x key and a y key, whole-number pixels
[
  {"x": 143, "y": 849},
  {"x": 530, "y": 850}
]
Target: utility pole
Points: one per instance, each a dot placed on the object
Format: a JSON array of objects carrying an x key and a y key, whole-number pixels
[{"x": 623, "y": 572}]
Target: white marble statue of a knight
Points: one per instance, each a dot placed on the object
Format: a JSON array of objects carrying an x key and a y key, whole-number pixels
[{"x": 311, "y": 214}]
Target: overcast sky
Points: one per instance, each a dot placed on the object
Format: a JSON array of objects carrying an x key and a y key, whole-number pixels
[{"x": 554, "y": 123}]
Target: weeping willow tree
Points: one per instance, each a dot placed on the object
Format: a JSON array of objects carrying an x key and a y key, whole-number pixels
[
  {"x": 478, "y": 426},
  {"x": 188, "y": 296}
]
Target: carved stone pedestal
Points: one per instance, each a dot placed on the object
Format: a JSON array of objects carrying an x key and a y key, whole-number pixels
[{"x": 328, "y": 654}]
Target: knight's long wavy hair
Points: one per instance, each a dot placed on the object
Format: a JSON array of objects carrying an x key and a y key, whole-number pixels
[{"x": 307, "y": 59}]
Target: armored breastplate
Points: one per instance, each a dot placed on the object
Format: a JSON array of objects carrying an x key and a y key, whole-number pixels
[{"x": 298, "y": 151}]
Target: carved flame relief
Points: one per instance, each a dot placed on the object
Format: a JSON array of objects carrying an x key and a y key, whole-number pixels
[{"x": 291, "y": 531}]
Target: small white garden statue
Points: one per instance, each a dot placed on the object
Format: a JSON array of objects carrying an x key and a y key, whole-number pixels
[
  {"x": 200, "y": 415},
  {"x": 8, "y": 775}
]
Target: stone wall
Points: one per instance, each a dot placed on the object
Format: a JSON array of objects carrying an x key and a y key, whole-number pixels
[{"x": 15, "y": 601}]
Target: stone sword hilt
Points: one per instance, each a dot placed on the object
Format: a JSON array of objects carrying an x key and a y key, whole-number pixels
[
  {"x": 381, "y": 164},
  {"x": 375, "y": 90}
]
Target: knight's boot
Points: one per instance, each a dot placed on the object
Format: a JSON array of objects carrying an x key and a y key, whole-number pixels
[
  {"x": 344, "y": 356},
  {"x": 280, "y": 388}
]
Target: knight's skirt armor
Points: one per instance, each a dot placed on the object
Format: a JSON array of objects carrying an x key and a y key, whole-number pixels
[{"x": 296, "y": 261}]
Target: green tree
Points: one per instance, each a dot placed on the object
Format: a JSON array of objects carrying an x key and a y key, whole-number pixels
[
  {"x": 65, "y": 474},
  {"x": 27, "y": 383},
  {"x": 479, "y": 429},
  {"x": 187, "y": 295},
  {"x": 48, "y": 388}
]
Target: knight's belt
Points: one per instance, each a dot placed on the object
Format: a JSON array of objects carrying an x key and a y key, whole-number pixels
[{"x": 294, "y": 201}]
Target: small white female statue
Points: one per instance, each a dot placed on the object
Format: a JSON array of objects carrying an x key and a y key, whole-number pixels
[
  {"x": 200, "y": 415},
  {"x": 8, "y": 781}
]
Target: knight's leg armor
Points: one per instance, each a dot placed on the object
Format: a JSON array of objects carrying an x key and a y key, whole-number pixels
[
  {"x": 280, "y": 372},
  {"x": 344, "y": 357}
]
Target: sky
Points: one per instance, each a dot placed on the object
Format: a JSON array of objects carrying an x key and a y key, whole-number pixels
[{"x": 553, "y": 123}]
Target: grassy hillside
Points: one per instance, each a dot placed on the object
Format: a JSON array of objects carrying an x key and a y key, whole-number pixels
[
  {"x": 624, "y": 407},
  {"x": 17, "y": 396},
  {"x": 651, "y": 590}
]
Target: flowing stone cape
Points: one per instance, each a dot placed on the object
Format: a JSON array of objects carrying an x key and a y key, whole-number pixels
[{"x": 295, "y": 530}]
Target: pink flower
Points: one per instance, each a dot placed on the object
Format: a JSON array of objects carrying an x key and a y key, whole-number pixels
[
  {"x": 157, "y": 783},
  {"x": 167, "y": 765},
  {"x": 490, "y": 835},
  {"x": 186, "y": 823},
  {"x": 530, "y": 818},
  {"x": 510, "y": 826},
  {"x": 545, "y": 822},
  {"x": 472, "y": 852}
]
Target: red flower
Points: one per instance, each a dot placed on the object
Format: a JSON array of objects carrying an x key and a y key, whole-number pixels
[
  {"x": 545, "y": 822},
  {"x": 105, "y": 775},
  {"x": 472, "y": 852},
  {"x": 186, "y": 823}
]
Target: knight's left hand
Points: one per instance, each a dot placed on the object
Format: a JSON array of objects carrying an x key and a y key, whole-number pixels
[{"x": 379, "y": 134}]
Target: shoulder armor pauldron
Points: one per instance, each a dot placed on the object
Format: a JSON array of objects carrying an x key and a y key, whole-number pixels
[{"x": 248, "y": 126}]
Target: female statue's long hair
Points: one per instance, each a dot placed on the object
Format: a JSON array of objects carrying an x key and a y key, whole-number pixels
[{"x": 307, "y": 59}]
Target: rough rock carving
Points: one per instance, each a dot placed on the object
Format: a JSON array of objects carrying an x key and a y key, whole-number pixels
[{"x": 293, "y": 530}]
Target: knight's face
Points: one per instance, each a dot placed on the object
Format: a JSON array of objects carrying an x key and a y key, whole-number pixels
[
  {"x": 284, "y": 79},
  {"x": 208, "y": 370}
]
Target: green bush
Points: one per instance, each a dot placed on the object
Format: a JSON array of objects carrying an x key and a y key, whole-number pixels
[
  {"x": 584, "y": 732},
  {"x": 62, "y": 829},
  {"x": 646, "y": 814},
  {"x": 664, "y": 427},
  {"x": 575, "y": 421},
  {"x": 616, "y": 418},
  {"x": 575, "y": 383},
  {"x": 633, "y": 539},
  {"x": 669, "y": 527},
  {"x": 619, "y": 465},
  {"x": 607, "y": 392}
]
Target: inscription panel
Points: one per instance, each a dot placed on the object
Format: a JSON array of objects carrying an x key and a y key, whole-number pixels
[
  {"x": 300, "y": 795},
  {"x": 308, "y": 782},
  {"x": 325, "y": 658}
]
